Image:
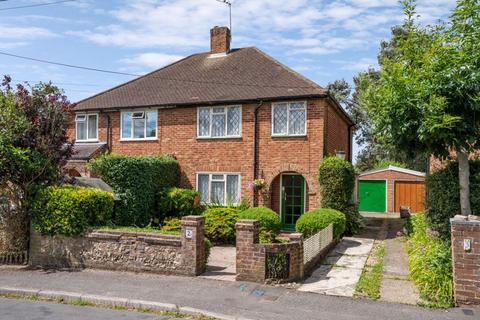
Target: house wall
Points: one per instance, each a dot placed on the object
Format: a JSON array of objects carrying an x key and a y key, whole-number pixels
[
  {"x": 177, "y": 134},
  {"x": 391, "y": 176},
  {"x": 338, "y": 135}
]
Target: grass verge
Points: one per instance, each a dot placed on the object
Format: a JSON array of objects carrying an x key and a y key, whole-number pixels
[
  {"x": 372, "y": 274},
  {"x": 85, "y": 303}
]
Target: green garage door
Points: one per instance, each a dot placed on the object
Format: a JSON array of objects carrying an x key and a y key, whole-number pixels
[{"x": 372, "y": 195}]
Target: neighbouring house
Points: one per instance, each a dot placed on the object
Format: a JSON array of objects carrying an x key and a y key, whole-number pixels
[
  {"x": 388, "y": 189},
  {"x": 229, "y": 116}
]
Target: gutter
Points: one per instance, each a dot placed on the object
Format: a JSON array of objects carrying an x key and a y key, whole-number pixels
[{"x": 255, "y": 145}]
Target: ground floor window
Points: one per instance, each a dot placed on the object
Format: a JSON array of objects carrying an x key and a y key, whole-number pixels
[{"x": 219, "y": 188}]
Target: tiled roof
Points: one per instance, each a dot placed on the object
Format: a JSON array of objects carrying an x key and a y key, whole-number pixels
[
  {"x": 245, "y": 74},
  {"x": 87, "y": 151}
]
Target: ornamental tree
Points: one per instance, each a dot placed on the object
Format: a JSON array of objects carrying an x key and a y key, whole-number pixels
[
  {"x": 426, "y": 98},
  {"x": 33, "y": 148}
]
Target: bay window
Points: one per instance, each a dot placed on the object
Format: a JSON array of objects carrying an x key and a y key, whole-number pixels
[
  {"x": 219, "y": 188},
  {"x": 219, "y": 122},
  {"x": 139, "y": 125},
  {"x": 289, "y": 119}
]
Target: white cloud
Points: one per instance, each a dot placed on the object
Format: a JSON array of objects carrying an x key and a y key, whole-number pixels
[
  {"x": 341, "y": 11},
  {"x": 11, "y": 32},
  {"x": 152, "y": 60},
  {"x": 357, "y": 66},
  {"x": 12, "y": 45}
]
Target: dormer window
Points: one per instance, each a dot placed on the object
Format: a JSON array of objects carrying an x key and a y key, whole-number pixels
[{"x": 86, "y": 127}]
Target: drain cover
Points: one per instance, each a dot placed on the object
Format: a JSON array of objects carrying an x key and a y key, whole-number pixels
[{"x": 468, "y": 312}]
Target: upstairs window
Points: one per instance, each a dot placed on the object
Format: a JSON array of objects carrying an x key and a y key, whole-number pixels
[
  {"x": 289, "y": 119},
  {"x": 139, "y": 125},
  {"x": 219, "y": 122},
  {"x": 86, "y": 127},
  {"x": 219, "y": 188}
]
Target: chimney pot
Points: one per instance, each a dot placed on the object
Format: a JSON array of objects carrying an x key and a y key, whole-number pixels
[{"x": 220, "y": 38}]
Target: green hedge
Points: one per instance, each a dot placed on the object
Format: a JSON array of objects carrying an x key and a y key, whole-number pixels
[
  {"x": 220, "y": 224},
  {"x": 443, "y": 196},
  {"x": 337, "y": 185},
  {"x": 430, "y": 264},
  {"x": 68, "y": 210},
  {"x": 317, "y": 219},
  {"x": 137, "y": 180},
  {"x": 269, "y": 220},
  {"x": 178, "y": 202}
]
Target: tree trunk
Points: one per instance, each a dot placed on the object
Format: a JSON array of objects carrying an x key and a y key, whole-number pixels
[{"x": 464, "y": 179}]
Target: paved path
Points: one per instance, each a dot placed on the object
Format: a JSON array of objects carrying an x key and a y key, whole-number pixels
[
  {"x": 238, "y": 299},
  {"x": 221, "y": 264},
  {"x": 339, "y": 273},
  {"x": 396, "y": 285},
  {"x": 12, "y": 309}
]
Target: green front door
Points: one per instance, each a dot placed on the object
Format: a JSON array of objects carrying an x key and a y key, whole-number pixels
[
  {"x": 293, "y": 200},
  {"x": 372, "y": 195}
]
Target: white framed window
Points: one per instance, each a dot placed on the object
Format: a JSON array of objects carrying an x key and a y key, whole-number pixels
[
  {"x": 289, "y": 118},
  {"x": 138, "y": 125},
  {"x": 86, "y": 127},
  {"x": 219, "y": 122},
  {"x": 219, "y": 188}
]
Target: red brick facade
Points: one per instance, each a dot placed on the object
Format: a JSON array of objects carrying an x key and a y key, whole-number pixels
[
  {"x": 177, "y": 134},
  {"x": 391, "y": 177}
]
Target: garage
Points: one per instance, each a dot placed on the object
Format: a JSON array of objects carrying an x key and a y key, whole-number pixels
[{"x": 386, "y": 190}]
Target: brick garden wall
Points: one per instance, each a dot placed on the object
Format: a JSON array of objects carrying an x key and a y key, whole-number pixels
[
  {"x": 251, "y": 256},
  {"x": 126, "y": 251},
  {"x": 466, "y": 262}
]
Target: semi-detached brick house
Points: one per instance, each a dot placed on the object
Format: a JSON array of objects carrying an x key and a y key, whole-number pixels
[{"x": 229, "y": 117}]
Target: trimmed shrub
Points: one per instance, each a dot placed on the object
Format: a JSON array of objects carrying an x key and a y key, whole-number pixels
[
  {"x": 430, "y": 264},
  {"x": 317, "y": 219},
  {"x": 443, "y": 196},
  {"x": 172, "y": 225},
  {"x": 270, "y": 223},
  {"x": 337, "y": 184},
  {"x": 69, "y": 210},
  {"x": 178, "y": 202},
  {"x": 220, "y": 224},
  {"x": 137, "y": 180}
]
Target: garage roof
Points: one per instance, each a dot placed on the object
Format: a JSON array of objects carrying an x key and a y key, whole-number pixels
[{"x": 393, "y": 168}]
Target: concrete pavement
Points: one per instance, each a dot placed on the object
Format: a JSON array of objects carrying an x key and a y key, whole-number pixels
[
  {"x": 237, "y": 299},
  {"x": 12, "y": 309}
]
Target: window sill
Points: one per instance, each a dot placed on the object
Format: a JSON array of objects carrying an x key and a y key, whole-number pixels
[
  {"x": 288, "y": 135},
  {"x": 87, "y": 141},
  {"x": 139, "y": 140},
  {"x": 219, "y": 138}
]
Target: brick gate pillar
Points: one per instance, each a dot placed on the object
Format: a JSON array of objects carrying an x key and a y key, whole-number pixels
[
  {"x": 250, "y": 256},
  {"x": 466, "y": 259},
  {"x": 193, "y": 244}
]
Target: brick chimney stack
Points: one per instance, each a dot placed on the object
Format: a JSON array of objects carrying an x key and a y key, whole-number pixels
[{"x": 220, "y": 40}]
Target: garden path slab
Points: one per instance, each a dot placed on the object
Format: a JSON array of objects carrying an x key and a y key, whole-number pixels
[
  {"x": 341, "y": 269},
  {"x": 396, "y": 284},
  {"x": 221, "y": 264}
]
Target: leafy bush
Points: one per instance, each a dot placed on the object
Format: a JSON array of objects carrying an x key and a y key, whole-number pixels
[
  {"x": 137, "y": 180},
  {"x": 443, "y": 196},
  {"x": 337, "y": 184},
  {"x": 69, "y": 210},
  {"x": 430, "y": 264},
  {"x": 220, "y": 224},
  {"x": 178, "y": 202},
  {"x": 172, "y": 225},
  {"x": 269, "y": 220},
  {"x": 317, "y": 219}
]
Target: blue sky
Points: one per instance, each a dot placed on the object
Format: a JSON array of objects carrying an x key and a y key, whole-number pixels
[{"x": 324, "y": 40}]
